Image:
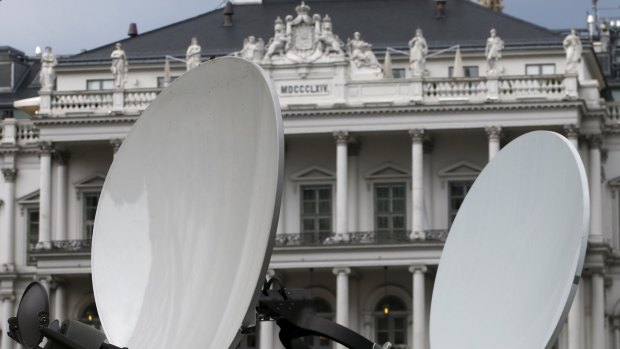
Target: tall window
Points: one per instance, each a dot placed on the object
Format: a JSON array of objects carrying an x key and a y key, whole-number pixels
[
  {"x": 324, "y": 310},
  {"x": 458, "y": 191},
  {"x": 316, "y": 212},
  {"x": 89, "y": 202},
  {"x": 390, "y": 210},
  {"x": 32, "y": 230},
  {"x": 101, "y": 84},
  {"x": 391, "y": 325}
]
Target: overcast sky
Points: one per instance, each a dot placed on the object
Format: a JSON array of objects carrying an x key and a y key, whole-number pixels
[{"x": 69, "y": 26}]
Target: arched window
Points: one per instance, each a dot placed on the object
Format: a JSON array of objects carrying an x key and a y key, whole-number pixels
[
  {"x": 90, "y": 316},
  {"x": 391, "y": 321},
  {"x": 324, "y": 310}
]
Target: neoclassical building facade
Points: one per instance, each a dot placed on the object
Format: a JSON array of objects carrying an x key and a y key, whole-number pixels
[{"x": 385, "y": 131}]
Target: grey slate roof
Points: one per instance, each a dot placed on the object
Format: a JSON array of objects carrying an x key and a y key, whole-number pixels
[{"x": 383, "y": 23}]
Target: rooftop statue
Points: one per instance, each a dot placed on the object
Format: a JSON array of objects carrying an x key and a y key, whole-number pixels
[
  {"x": 278, "y": 43},
  {"x": 363, "y": 62},
  {"x": 253, "y": 50},
  {"x": 572, "y": 46},
  {"x": 193, "y": 55},
  {"x": 47, "y": 76},
  {"x": 418, "y": 49},
  {"x": 119, "y": 66},
  {"x": 303, "y": 39},
  {"x": 332, "y": 45},
  {"x": 360, "y": 52},
  {"x": 493, "y": 52}
]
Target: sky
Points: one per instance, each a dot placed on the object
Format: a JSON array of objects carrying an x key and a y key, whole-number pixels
[{"x": 69, "y": 26}]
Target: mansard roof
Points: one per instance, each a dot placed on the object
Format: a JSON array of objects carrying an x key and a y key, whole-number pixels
[{"x": 383, "y": 23}]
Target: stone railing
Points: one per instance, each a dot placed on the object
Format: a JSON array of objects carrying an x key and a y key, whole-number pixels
[
  {"x": 22, "y": 131},
  {"x": 58, "y": 247},
  {"x": 359, "y": 238},
  {"x": 427, "y": 91},
  {"x": 613, "y": 111}
]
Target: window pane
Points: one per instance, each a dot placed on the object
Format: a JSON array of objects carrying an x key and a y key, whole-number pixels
[
  {"x": 325, "y": 207},
  {"x": 308, "y": 225},
  {"x": 548, "y": 69},
  {"x": 107, "y": 84},
  {"x": 383, "y": 192},
  {"x": 93, "y": 85},
  {"x": 399, "y": 206},
  {"x": 382, "y": 222},
  {"x": 398, "y": 191},
  {"x": 383, "y": 206},
  {"x": 325, "y": 224},
  {"x": 325, "y": 194},
  {"x": 471, "y": 71},
  {"x": 308, "y": 207},
  {"x": 399, "y": 222},
  {"x": 398, "y": 73},
  {"x": 532, "y": 70},
  {"x": 308, "y": 194},
  {"x": 399, "y": 338}
]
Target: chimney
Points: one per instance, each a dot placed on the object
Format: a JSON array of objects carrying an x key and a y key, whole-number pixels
[
  {"x": 440, "y": 7},
  {"x": 133, "y": 30},
  {"x": 228, "y": 14}
]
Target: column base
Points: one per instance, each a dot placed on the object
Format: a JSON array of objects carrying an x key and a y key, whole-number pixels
[{"x": 417, "y": 235}]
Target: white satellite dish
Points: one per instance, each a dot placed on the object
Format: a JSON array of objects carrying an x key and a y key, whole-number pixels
[
  {"x": 510, "y": 267},
  {"x": 187, "y": 215}
]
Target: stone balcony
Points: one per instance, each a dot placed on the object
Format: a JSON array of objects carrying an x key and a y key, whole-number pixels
[{"x": 309, "y": 93}]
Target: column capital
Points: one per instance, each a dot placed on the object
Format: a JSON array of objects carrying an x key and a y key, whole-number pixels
[
  {"x": 341, "y": 270},
  {"x": 61, "y": 157},
  {"x": 116, "y": 143},
  {"x": 417, "y": 135},
  {"x": 571, "y": 130},
  {"x": 341, "y": 137},
  {"x": 418, "y": 267},
  {"x": 45, "y": 148},
  {"x": 9, "y": 174},
  {"x": 616, "y": 322},
  {"x": 595, "y": 141},
  {"x": 493, "y": 132},
  {"x": 7, "y": 295}
]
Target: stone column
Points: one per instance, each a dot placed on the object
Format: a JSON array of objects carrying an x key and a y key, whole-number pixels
[
  {"x": 572, "y": 134},
  {"x": 116, "y": 144},
  {"x": 576, "y": 334},
  {"x": 596, "y": 219},
  {"x": 60, "y": 301},
  {"x": 616, "y": 326},
  {"x": 8, "y": 306},
  {"x": 598, "y": 311},
  {"x": 419, "y": 306},
  {"x": 352, "y": 200},
  {"x": 45, "y": 281},
  {"x": 266, "y": 335},
  {"x": 417, "y": 180},
  {"x": 8, "y": 238},
  {"x": 45, "y": 195},
  {"x": 493, "y": 133},
  {"x": 342, "y": 137},
  {"x": 342, "y": 296},
  {"x": 61, "y": 159}
]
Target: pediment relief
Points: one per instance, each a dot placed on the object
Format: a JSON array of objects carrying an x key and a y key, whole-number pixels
[
  {"x": 459, "y": 170},
  {"x": 387, "y": 170},
  {"x": 28, "y": 200},
  {"x": 313, "y": 173},
  {"x": 90, "y": 183}
]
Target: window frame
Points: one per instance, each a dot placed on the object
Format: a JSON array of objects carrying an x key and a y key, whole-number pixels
[
  {"x": 399, "y": 314},
  {"x": 391, "y": 232},
  {"x": 450, "y": 183},
  {"x": 467, "y": 69},
  {"x": 318, "y": 234},
  {"x": 101, "y": 83},
  {"x": 540, "y": 67}
]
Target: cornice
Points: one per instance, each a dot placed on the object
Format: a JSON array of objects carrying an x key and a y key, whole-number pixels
[
  {"x": 416, "y": 109},
  {"x": 86, "y": 120}
]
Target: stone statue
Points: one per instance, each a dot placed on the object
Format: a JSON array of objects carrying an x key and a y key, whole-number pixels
[
  {"x": 47, "y": 76},
  {"x": 278, "y": 43},
  {"x": 253, "y": 50},
  {"x": 332, "y": 45},
  {"x": 360, "y": 53},
  {"x": 493, "y": 52},
  {"x": 418, "y": 49},
  {"x": 192, "y": 56},
  {"x": 119, "y": 66},
  {"x": 572, "y": 46}
]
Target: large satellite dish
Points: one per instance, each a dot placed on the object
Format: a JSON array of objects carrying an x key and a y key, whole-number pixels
[
  {"x": 187, "y": 215},
  {"x": 510, "y": 267}
]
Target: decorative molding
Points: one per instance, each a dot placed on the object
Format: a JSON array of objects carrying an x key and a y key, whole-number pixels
[
  {"x": 341, "y": 270},
  {"x": 45, "y": 148},
  {"x": 421, "y": 267},
  {"x": 386, "y": 172},
  {"x": 116, "y": 144},
  {"x": 571, "y": 130},
  {"x": 28, "y": 200},
  {"x": 595, "y": 140},
  {"x": 313, "y": 174}
]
